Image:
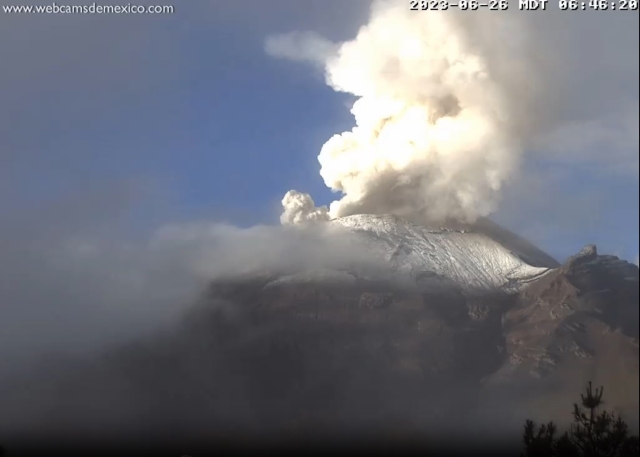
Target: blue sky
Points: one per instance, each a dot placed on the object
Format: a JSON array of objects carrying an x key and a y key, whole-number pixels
[{"x": 189, "y": 118}]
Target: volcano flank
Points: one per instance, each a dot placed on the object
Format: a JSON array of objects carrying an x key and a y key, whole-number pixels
[{"x": 451, "y": 330}]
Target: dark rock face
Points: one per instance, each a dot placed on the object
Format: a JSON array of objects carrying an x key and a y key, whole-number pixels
[
  {"x": 352, "y": 356},
  {"x": 417, "y": 352},
  {"x": 577, "y": 323}
]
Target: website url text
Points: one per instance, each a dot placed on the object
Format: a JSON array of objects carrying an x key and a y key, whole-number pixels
[{"x": 94, "y": 8}]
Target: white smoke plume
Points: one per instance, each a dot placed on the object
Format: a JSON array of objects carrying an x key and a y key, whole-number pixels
[
  {"x": 446, "y": 104},
  {"x": 431, "y": 127},
  {"x": 300, "y": 207}
]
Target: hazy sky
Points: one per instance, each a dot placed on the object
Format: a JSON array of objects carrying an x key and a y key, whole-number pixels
[{"x": 114, "y": 125}]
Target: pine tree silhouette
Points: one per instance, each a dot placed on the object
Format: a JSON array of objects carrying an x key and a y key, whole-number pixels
[{"x": 593, "y": 433}]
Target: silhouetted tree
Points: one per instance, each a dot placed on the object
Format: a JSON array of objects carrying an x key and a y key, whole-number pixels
[
  {"x": 540, "y": 443},
  {"x": 593, "y": 433}
]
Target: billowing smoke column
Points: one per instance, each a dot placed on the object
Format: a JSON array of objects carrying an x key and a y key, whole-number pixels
[{"x": 431, "y": 131}]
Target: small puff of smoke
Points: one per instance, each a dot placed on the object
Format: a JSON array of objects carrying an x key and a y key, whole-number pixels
[{"x": 300, "y": 207}]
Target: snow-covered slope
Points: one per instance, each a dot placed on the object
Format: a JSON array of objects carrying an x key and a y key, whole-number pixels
[
  {"x": 429, "y": 256},
  {"x": 470, "y": 259}
]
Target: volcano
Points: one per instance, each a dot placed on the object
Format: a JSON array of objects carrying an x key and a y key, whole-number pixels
[{"x": 465, "y": 327}]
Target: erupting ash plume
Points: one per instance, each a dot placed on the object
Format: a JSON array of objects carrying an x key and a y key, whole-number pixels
[
  {"x": 299, "y": 208},
  {"x": 432, "y": 130}
]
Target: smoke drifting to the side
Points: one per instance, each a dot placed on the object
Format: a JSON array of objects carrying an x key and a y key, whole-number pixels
[
  {"x": 72, "y": 282},
  {"x": 447, "y": 102}
]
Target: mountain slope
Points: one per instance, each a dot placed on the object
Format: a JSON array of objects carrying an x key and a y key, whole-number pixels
[
  {"x": 579, "y": 322},
  {"x": 519, "y": 246},
  {"x": 471, "y": 260},
  {"x": 337, "y": 351}
]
